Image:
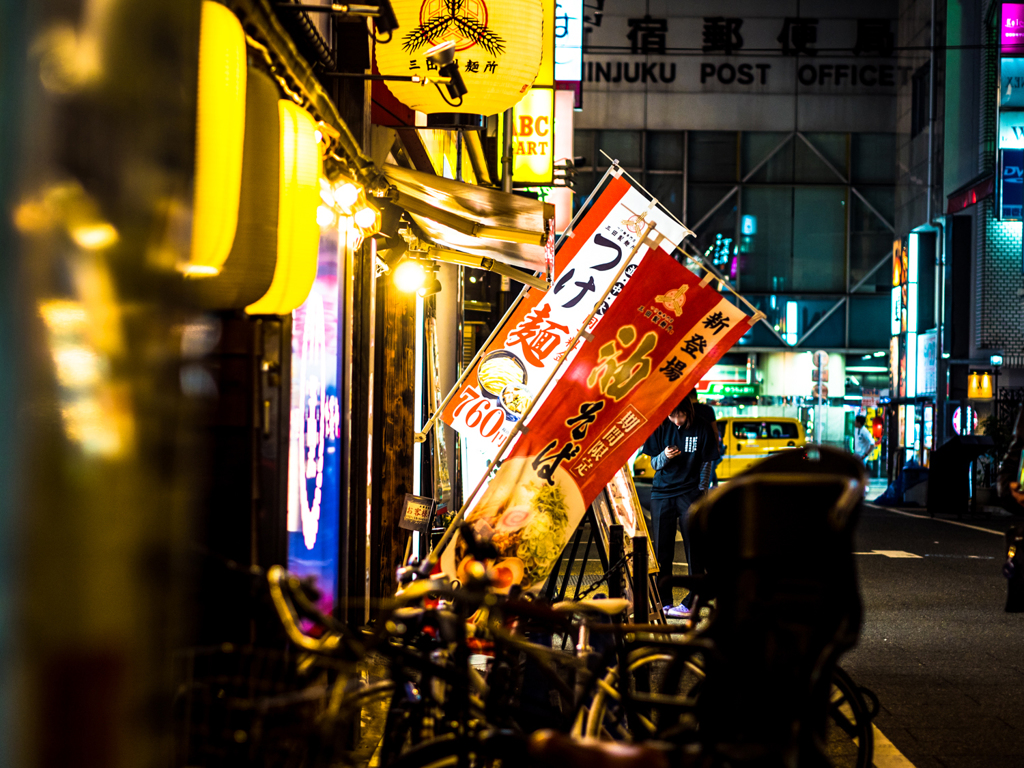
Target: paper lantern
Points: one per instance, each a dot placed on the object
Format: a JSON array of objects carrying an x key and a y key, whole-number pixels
[
  {"x": 497, "y": 49},
  {"x": 220, "y": 131},
  {"x": 298, "y": 234},
  {"x": 249, "y": 270}
]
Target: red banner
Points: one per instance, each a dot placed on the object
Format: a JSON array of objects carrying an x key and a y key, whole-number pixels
[
  {"x": 537, "y": 334},
  {"x": 655, "y": 342}
]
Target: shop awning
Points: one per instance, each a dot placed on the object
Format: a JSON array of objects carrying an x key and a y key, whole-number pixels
[
  {"x": 474, "y": 220},
  {"x": 970, "y": 194}
]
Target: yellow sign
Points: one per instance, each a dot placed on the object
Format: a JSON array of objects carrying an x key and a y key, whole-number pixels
[
  {"x": 497, "y": 50},
  {"x": 533, "y": 137}
]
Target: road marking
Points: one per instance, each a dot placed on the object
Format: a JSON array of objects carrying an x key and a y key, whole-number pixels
[
  {"x": 896, "y": 554},
  {"x": 937, "y": 519},
  {"x": 886, "y": 754}
]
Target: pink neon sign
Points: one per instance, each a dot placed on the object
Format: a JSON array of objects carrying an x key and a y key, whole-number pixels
[{"x": 1011, "y": 35}]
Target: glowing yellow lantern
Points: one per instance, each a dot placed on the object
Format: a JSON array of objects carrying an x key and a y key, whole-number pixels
[
  {"x": 298, "y": 233},
  {"x": 979, "y": 386},
  {"x": 497, "y": 48},
  {"x": 220, "y": 133}
]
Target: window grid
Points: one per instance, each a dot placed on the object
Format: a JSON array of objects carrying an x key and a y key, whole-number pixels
[{"x": 757, "y": 161}]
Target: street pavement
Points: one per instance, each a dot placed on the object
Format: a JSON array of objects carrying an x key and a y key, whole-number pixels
[{"x": 938, "y": 649}]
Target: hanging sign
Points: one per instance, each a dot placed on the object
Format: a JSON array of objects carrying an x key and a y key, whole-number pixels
[
  {"x": 416, "y": 512},
  {"x": 1011, "y": 33},
  {"x": 1011, "y": 184},
  {"x": 536, "y": 335},
  {"x": 569, "y": 40},
  {"x": 660, "y": 337},
  {"x": 497, "y": 51},
  {"x": 533, "y": 137}
]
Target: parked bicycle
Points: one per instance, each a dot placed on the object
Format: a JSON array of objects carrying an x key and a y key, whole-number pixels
[{"x": 464, "y": 676}]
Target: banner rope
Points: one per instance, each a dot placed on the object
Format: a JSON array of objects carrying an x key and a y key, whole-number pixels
[{"x": 714, "y": 274}]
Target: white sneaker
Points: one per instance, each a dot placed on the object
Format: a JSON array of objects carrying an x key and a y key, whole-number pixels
[{"x": 677, "y": 612}]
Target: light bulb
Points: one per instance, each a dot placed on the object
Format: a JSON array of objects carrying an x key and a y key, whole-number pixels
[
  {"x": 324, "y": 216},
  {"x": 346, "y": 194},
  {"x": 365, "y": 218},
  {"x": 326, "y": 193},
  {"x": 410, "y": 276},
  {"x": 94, "y": 237}
]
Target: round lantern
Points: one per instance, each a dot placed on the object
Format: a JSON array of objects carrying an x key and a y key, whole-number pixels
[{"x": 497, "y": 50}]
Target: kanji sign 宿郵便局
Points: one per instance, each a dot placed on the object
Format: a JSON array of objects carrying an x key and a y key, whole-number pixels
[
  {"x": 538, "y": 332},
  {"x": 648, "y": 350}
]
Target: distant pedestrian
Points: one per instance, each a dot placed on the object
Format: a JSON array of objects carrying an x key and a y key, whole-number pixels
[
  {"x": 682, "y": 452},
  {"x": 863, "y": 442}
]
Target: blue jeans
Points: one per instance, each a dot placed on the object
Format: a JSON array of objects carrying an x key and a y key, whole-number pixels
[{"x": 668, "y": 515}]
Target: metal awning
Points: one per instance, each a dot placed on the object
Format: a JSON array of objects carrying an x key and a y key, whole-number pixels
[{"x": 481, "y": 222}]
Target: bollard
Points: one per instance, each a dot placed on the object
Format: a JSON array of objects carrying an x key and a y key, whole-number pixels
[
  {"x": 1013, "y": 570},
  {"x": 641, "y": 610},
  {"x": 616, "y": 549}
]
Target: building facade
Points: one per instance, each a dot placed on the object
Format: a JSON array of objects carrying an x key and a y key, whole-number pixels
[{"x": 769, "y": 129}]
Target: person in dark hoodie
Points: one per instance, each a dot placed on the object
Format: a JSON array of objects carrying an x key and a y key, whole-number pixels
[
  {"x": 682, "y": 451},
  {"x": 1012, "y": 496},
  {"x": 1010, "y": 492}
]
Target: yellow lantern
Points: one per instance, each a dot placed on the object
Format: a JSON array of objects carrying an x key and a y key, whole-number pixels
[
  {"x": 220, "y": 133},
  {"x": 298, "y": 233},
  {"x": 979, "y": 386},
  {"x": 497, "y": 49}
]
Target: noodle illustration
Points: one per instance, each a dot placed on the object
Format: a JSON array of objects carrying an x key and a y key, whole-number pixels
[{"x": 499, "y": 372}]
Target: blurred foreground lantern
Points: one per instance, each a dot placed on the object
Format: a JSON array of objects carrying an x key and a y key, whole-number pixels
[
  {"x": 249, "y": 269},
  {"x": 298, "y": 233},
  {"x": 979, "y": 386},
  {"x": 497, "y": 51},
  {"x": 220, "y": 131}
]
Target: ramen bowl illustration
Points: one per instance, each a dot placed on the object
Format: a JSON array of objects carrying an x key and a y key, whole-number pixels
[
  {"x": 515, "y": 399},
  {"x": 499, "y": 370}
]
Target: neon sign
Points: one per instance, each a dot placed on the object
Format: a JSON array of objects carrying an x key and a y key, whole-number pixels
[{"x": 314, "y": 461}]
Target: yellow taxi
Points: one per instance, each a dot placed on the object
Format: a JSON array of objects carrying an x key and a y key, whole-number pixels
[
  {"x": 642, "y": 469},
  {"x": 746, "y": 441}
]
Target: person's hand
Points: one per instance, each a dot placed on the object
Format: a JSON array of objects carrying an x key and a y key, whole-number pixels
[
  {"x": 671, "y": 452},
  {"x": 1017, "y": 493}
]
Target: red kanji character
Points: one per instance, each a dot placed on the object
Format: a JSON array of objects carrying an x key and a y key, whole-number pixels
[{"x": 538, "y": 337}]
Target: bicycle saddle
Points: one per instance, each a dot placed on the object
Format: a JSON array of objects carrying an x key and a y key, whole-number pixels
[
  {"x": 558, "y": 750},
  {"x": 612, "y": 606}
]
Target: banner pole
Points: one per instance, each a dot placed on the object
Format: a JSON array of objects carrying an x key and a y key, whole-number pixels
[
  {"x": 699, "y": 262},
  {"x": 583, "y": 208},
  {"x": 435, "y": 554},
  {"x": 421, "y": 436}
]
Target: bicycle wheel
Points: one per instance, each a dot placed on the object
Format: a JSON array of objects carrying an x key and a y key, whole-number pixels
[
  {"x": 849, "y": 735},
  {"x": 609, "y": 716},
  {"x": 850, "y": 741}
]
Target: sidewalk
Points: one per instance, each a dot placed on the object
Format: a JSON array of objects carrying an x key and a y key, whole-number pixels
[{"x": 987, "y": 516}]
